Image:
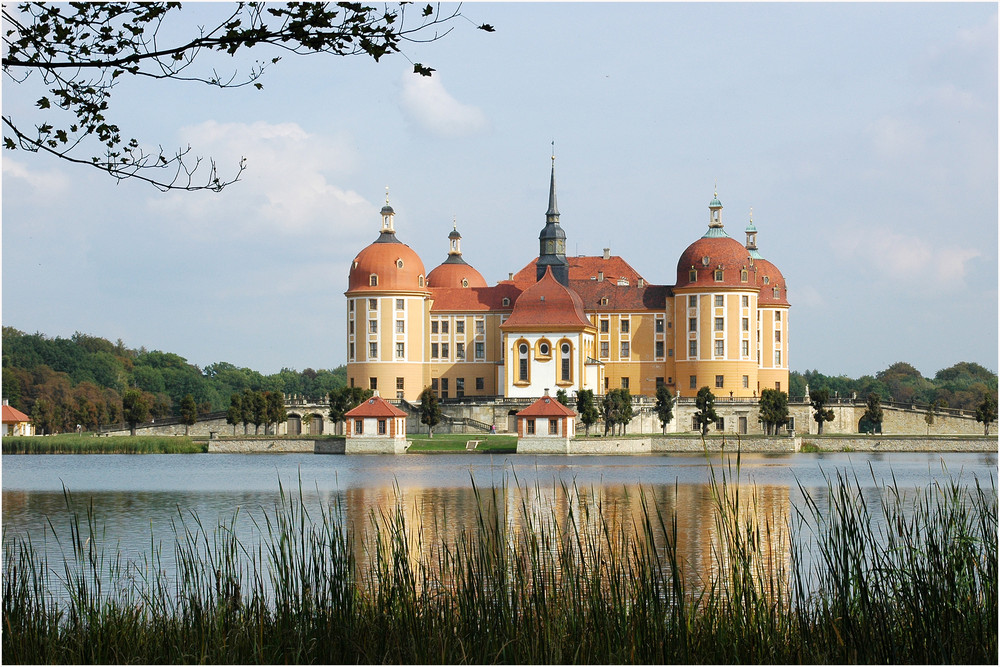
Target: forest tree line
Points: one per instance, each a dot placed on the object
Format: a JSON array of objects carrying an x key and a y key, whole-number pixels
[{"x": 62, "y": 382}]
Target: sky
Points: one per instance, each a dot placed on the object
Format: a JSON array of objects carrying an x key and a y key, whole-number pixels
[{"x": 862, "y": 136}]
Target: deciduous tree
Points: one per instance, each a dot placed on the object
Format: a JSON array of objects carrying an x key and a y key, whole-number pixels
[
  {"x": 82, "y": 51},
  {"x": 235, "y": 411},
  {"x": 871, "y": 421},
  {"x": 430, "y": 410},
  {"x": 986, "y": 413},
  {"x": 818, "y": 399},
  {"x": 705, "y": 412},
  {"x": 586, "y": 408},
  {"x": 773, "y": 410},
  {"x": 135, "y": 408},
  {"x": 664, "y": 406}
]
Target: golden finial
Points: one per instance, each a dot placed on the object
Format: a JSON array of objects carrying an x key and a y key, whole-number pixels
[
  {"x": 751, "y": 214},
  {"x": 387, "y": 194}
]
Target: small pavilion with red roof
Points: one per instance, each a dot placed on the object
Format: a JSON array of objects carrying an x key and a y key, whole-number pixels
[
  {"x": 545, "y": 427},
  {"x": 16, "y": 422},
  {"x": 375, "y": 427}
]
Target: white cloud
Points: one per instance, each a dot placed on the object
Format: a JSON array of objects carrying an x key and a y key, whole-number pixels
[
  {"x": 432, "y": 108},
  {"x": 49, "y": 182},
  {"x": 912, "y": 261},
  {"x": 285, "y": 188},
  {"x": 897, "y": 138}
]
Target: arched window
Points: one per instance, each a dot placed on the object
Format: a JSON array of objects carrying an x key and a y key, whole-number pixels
[
  {"x": 522, "y": 362},
  {"x": 506, "y": 301},
  {"x": 373, "y": 280},
  {"x": 420, "y": 281},
  {"x": 565, "y": 365}
]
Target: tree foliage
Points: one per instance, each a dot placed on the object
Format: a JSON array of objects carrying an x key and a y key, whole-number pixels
[
  {"x": 616, "y": 408},
  {"x": 587, "y": 408},
  {"x": 986, "y": 413},
  {"x": 705, "y": 412},
  {"x": 818, "y": 399},
  {"x": 344, "y": 399},
  {"x": 189, "y": 412},
  {"x": 80, "y": 52},
  {"x": 81, "y": 380},
  {"x": 664, "y": 406},
  {"x": 430, "y": 410},
  {"x": 135, "y": 408},
  {"x": 871, "y": 420},
  {"x": 773, "y": 410}
]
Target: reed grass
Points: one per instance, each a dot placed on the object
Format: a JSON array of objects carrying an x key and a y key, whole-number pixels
[
  {"x": 73, "y": 443},
  {"x": 529, "y": 584}
]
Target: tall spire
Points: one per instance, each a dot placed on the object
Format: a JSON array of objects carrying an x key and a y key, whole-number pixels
[
  {"x": 552, "y": 215},
  {"x": 552, "y": 240}
]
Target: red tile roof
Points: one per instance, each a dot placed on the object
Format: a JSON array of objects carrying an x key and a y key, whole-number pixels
[
  {"x": 584, "y": 274},
  {"x": 465, "y": 299},
  {"x": 775, "y": 280},
  {"x": 13, "y": 415},
  {"x": 550, "y": 304},
  {"x": 546, "y": 406},
  {"x": 451, "y": 274},
  {"x": 382, "y": 258},
  {"x": 708, "y": 254},
  {"x": 376, "y": 406}
]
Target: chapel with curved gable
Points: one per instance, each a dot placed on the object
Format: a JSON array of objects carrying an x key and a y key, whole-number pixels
[{"x": 567, "y": 322}]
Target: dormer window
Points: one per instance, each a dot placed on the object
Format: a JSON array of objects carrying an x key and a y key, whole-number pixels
[
  {"x": 420, "y": 281},
  {"x": 506, "y": 301},
  {"x": 692, "y": 275},
  {"x": 604, "y": 300},
  {"x": 744, "y": 276},
  {"x": 373, "y": 280},
  {"x": 465, "y": 282},
  {"x": 767, "y": 280},
  {"x": 399, "y": 263},
  {"x": 718, "y": 275},
  {"x": 777, "y": 292}
]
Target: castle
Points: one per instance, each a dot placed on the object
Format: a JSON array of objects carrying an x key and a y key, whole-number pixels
[{"x": 568, "y": 323}]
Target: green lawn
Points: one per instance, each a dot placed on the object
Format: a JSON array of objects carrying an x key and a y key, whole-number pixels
[{"x": 456, "y": 442}]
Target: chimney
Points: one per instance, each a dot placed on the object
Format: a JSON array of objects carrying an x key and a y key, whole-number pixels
[
  {"x": 600, "y": 276},
  {"x": 640, "y": 283},
  {"x": 510, "y": 276},
  {"x": 607, "y": 253}
]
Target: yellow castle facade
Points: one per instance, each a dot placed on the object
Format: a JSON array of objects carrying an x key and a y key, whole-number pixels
[{"x": 565, "y": 322}]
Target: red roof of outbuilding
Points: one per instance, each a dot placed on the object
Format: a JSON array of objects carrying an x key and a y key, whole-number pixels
[
  {"x": 546, "y": 406},
  {"x": 13, "y": 415},
  {"x": 376, "y": 406},
  {"x": 548, "y": 303}
]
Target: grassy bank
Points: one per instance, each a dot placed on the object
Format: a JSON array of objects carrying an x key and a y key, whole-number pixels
[
  {"x": 453, "y": 443},
  {"x": 72, "y": 443},
  {"x": 530, "y": 585}
]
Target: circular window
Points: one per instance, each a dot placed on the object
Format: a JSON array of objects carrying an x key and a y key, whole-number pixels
[
  {"x": 565, "y": 348},
  {"x": 705, "y": 261},
  {"x": 766, "y": 280},
  {"x": 523, "y": 349},
  {"x": 399, "y": 263},
  {"x": 465, "y": 282},
  {"x": 543, "y": 349}
]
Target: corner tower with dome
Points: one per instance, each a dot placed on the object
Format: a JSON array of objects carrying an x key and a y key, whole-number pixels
[{"x": 568, "y": 322}]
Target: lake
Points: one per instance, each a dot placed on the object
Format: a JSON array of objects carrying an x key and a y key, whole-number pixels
[{"x": 138, "y": 499}]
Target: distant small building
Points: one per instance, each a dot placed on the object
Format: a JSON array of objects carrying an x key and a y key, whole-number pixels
[
  {"x": 375, "y": 427},
  {"x": 16, "y": 422},
  {"x": 545, "y": 427}
]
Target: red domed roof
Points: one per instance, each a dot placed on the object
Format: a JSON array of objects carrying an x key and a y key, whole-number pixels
[
  {"x": 549, "y": 304},
  {"x": 394, "y": 265},
  {"x": 451, "y": 273},
  {"x": 768, "y": 279},
  {"x": 708, "y": 254}
]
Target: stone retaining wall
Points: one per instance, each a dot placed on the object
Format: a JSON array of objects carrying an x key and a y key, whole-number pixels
[
  {"x": 276, "y": 446},
  {"x": 902, "y": 443}
]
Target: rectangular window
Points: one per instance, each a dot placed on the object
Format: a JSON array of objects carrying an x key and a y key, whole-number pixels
[
  {"x": 372, "y": 304},
  {"x": 605, "y": 349},
  {"x": 624, "y": 383},
  {"x": 777, "y": 336},
  {"x": 372, "y": 326},
  {"x": 718, "y": 381},
  {"x": 522, "y": 369},
  {"x": 480, "y": 384},
  {"x": 460, "y": 327},
  {"x": 659, "y": 382},
  {"x": 670, "y": 352},
  {"x": 373, "y": 383},
  {"x": 625, "y": 324},
  {"x": 720, "y": 301},
  {"x": 605, "y": 384},
  {"x": 746, "y": 324},
  {"x": 777, "y": 357},
  {"x": 352, "y": 351},
  {"x": 434, "y": 384},
  {"x": 720, "y": 323},
  {"x": 400, "y": 326},
  {"x": 359, "y": 426},
  {"x": 624, "y": 350},
  {"x": 480, "y": 327},
  {"x": 720, "y": 424},
  {"x": 372, "y": 350},
  {"x": 381, "y": 427},
  {"x": 791, "y": 424},
  {"x": 434, "y": 326},
  {"x": 659, "y": 325},
  {"x": 459, "y": 387},
  {"x": 444, "y": 326},
  {"x": 745, "y": 348},
  {"x": 399, "y": 383},
  {"x": 659, "y": 349},
  {"x": 720, "y": 348},
  {"x": 351, "y": 326},
  {"x": 605, "y": 326},
  {"x": 693, "y": 382},
  {"x": 400, "y": 350},
  {"x": 434, "y": 350},
  {"x": 460, "y": 351},
  {"x": 400, "y": 304},
  {"x": 693, "y": 324},
  {"x": 692, "y": 301},
  {"x": 350, "y": 306},
  {"x": 553, "y": 427},
  {"x": 444, "y": 350},
  {"x": 565, "y": 369},
  {"x": 692, "y": 349},
  {"x": 718, "y": 275},
  {"x": 746, "y": 381},
  {"x": 529, "y": 426},
  {"x": 777, "y": 386},
  {"x": 777, "y": 316},
  {"x": 480, "y": 351},
  {"x": 745, "y": 301},
  {"x": 444, "y": 387}
]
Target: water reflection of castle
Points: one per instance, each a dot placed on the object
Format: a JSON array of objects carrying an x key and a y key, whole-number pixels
[{"x": 438, "y": 516}]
